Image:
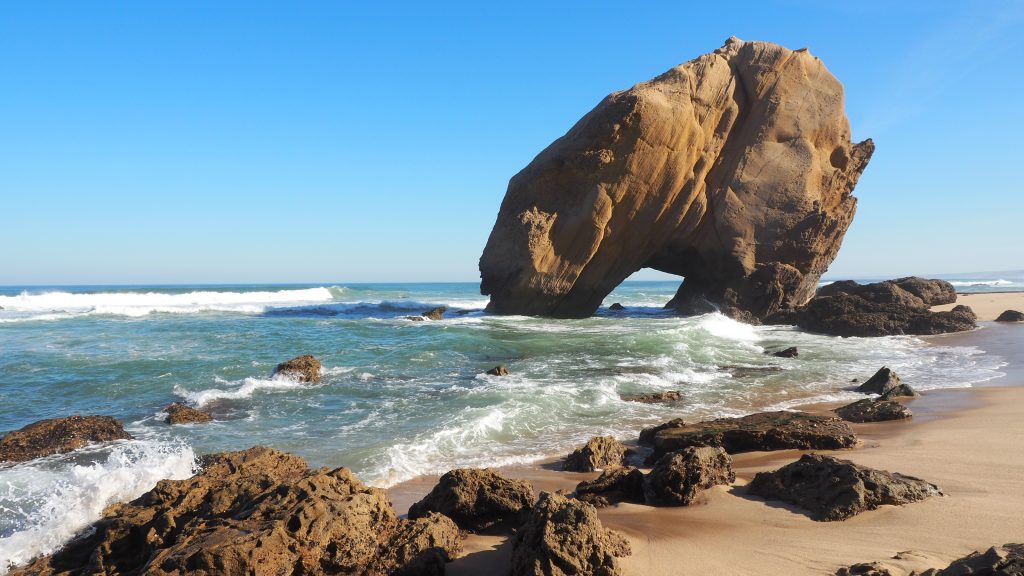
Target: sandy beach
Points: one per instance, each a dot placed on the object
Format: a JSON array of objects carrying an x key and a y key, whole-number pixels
[
  {"x": 987, "y": 305},
  {"x": 967, "y": 441}
]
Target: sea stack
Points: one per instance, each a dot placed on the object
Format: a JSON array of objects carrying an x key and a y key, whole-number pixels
[{"x": 734, "y": 170}]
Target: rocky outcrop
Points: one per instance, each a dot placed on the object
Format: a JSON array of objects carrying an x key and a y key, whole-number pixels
[
  {"x": 1010, "y": 316},
  {"x": 598, "y": 453},
  {"x": 887, "y": 385},
  {"x": 303, "y": 368},
  {"x": 178, "y": 413},
  {"x": 868, "y": 410},
  {"x": 734, "y": 170},
  {"x": 647, "y": 434},
  {"x": 435, "y": 313},
  {"x": 564, "y": 537},
  {"x": 498, "y": 371},
  {"x": 653, "y": 397},
  {"x": 1005, "y": 560},
  {"x": 834, "y": 489},
  {"x": 259, "y": 511},
  {"x": 756, "y": 432},
  {"x": 894, "y": 307},
  {"x": 59, "y": 435},
  {"x": 477, "y": 499},
  {"x": 614, "y": 485},
  {"x": 678, "y": 478}
]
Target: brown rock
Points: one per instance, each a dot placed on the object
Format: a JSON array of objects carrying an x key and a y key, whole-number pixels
[
  {"x": 1005, "y": 560},
  {"x": 1010, "y": 316},
  {"x": 178, "y": 413},
  {"x": 761, "y": 431},
  {"x": 477, "y": 499},
  {"x": 700, "y": 172},
  {"x": 647, "y": 434},
  {"x": 259, "y": 511},
  {"x": 614, "y": 485},
  {"x": 498, "y": 371},
  {"x": 59, "y": 435},
  {"x": 303, "y": 368},
  {"x": 865, "y": 569},
  {"x": 679, "y": 477},
  {"x": 435, "y": 313},
  {"x": 565, "y": 537},
  {"x": 833, "y": 489},
  {"x": 932, "y": 292},
  {"x": 653, "y": 397},
  {"x": 598, "y": 453},
  {"x": 868, "y": 410}
]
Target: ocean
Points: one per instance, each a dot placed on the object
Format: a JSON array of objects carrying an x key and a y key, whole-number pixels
[{"x": 397, "y": 398}]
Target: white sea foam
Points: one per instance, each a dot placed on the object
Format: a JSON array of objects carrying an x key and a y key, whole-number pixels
[
  {"x": 45, "y": 502},
  {"x": 999, "y": 282},
  {"x": 236, "y": 391}
]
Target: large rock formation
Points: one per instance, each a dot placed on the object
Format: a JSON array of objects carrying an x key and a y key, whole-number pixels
[
  {"x": 734, "y": 170},
  {"x": 59, "y": 435},
  {"x": 477, "y": 499},
  {"x": 259, "y": 511}
]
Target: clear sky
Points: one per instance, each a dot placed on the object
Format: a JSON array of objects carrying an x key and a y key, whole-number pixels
[{"x": 180, "y": 142}]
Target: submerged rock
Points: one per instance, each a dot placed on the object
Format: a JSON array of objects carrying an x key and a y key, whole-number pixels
[
  {"x": 477, "y": 499},
  {"x": 435, "y": 313},
  {"x": 868, "y": 410},
  {"x": 614, "y": 485},
  {"x": 616, "y": 306},
  {"x": 833, "y": 489},
  {"x": 258, "y": 511},
  {"x": 178, "y": 413},
  {"x": 303, "y": 368},
  {"x": 790, "y": 352},
  {"x": 679, "y": 477},
  {"x": 564, "y": 537},
  {"x": 761, "y": 431},
  {"x": 699, "y": 172},
  {"x": 1010, "y": 316},
  {"x": 653, "y": 397},
  {"x": 598, "y": 453},
  {"x": 59, "y": 435},
  {"x": 498, "y": 371}
]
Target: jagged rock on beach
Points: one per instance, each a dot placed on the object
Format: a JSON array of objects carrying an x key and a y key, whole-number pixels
[
  {"x": 1011, "y": 316},
  {"x": 258, "y": 511},
  {"x": 699, "y": 172},
  {"x": 761, "y": 431},
  {"x": 435, "y": 313},
  {"x": 647, "y": 434},
  {"x": 677, "y": 478},
  {"x": 865, "y": 569},
  {"x": 614, "y": 485},
  {"x": 833, "y": 489},
  {"x": 790, "y": 352},
  {"x": 498, "y": 371},
  {"x": 1005, "y": 560},
  {"x": 899, "y": 391},
  {"x": 868, "y": 410},
  {"x": 880, "y": 382},
  {"x": 178, "y": 413},
  {"x": 598, "y": 453},
  {"x": 616, "y": 306},
  {"x": 303, "y": 368},
  {"x": 59, "y": 435},
  {"x": 653, "y": 397},
  {"x": 564, "y": 537},
  {"x": 477, "y": 499}
]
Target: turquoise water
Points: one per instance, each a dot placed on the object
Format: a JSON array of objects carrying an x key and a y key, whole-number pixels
[{"x": 397, "y": 398}]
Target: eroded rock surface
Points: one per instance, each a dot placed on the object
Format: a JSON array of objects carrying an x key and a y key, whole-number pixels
[
  {"x": 59, "y": 435},
  {"x": 679, "y": 477},
  {"x": 868, "y": 410},
  {"x": 734, "y": 170},
  {"x": 834, "y": 489},
  {"x": 653, "y": 397},
  {"x": 762, "y": 431},
  {"x": 303, "y": 368},
  {"x": 258, "y": 511},
  {"x": 598, "y": 453},
  {"x": 477, "y": 499},
  {"x": 435, "y": 313},
  {"x": 564, "y": 537},
  {"x": 178, "y": 413},
  {"x": 614, "y": 485}
]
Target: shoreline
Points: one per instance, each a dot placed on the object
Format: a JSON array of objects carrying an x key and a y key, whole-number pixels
[
  {"x": 987, "y": 305},
  {"x": 949, "y": 442}
]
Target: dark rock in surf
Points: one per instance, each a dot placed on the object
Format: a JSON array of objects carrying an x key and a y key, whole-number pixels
[
  {"x": 477, "y": 499},
  {"x": 898, "y": 391},
  {"x": 435, "y": 313},
  {"x": 677, "y": 478},
  {"x": 59, "y": 435},
  {"x": 790, "y": 352},
  {"x": 833, "y": 489},
  {"x": 881, "y": 382},
  {"x": 1011, "y": 316},
  {"x": 598, "y": 453},
  {"x": 614, "y": 485},
  {"x": 616, "y": 306},
  {"x": 868, "y": 410},
  {"x": 498, "y": 371},
  {"x": 415, "y": 318},
  {"x": 647, "y": 434},
  {"x": 303, "y": 368},
  {"x": 653, "y": 397},
  {"x": 178, "y": 413}
]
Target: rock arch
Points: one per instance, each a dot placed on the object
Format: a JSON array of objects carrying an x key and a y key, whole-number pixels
[{"x": 734, "y": 170}]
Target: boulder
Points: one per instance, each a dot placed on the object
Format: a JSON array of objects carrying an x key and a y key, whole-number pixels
[
  {"x": 1010, "y": 316},
  {"x": 258, "y": 511},
  {"x": 598, "y": 453},
  {"x": 932, "y": 292},
  {"x": 647, "y": 434},
  {"x": 614, "y": 485},
  {"x": 762, "y": 431},
  {"x": 834, "y": 489},
  {"x": 700, "y": 172},
  {"x": 790, "y": 352},
  {"x": 1005, "y": 560},
  {"x": 616, "y": 306},
  {"x": 653, "y": 397},
  {"x": 563, "y": 537},
  {"x": 498, "y": 371},
  {"x": 880, "y": 382},
  {"x": 900, "y": 390},
  {"x": 303, "y": 368},
  {"x": 477, "y": 499},
  {"x": 677, "y": 478},
  {"x": 59, "y": 435},
  {"x": 435, "y": 313},
  {"x": 178, "y": 413},
  {"x": 868, "y": 410},
  {"x": 865, "y": 569}
]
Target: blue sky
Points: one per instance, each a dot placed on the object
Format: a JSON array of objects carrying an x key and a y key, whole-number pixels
[{"x": 158, "y": 142}]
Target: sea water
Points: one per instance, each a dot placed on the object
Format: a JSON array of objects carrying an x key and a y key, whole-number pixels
[{"x": 397, "y": 398}]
